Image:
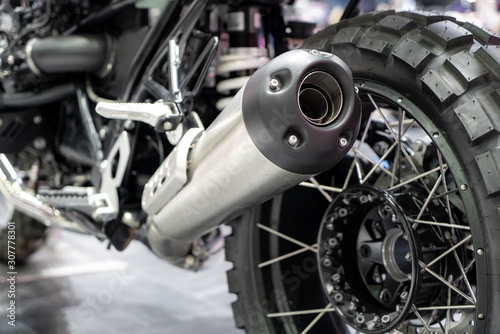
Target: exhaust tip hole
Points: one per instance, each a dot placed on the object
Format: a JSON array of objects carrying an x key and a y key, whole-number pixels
[{"x": 320, "y": 98}]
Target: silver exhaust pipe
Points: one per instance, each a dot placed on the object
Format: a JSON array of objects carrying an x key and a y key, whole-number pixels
[
  {"x": 296, "y": 117},
  {"x": 28, "y": 204}
]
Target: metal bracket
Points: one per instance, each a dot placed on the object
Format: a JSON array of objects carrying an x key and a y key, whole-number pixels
[
  {"x": 171, "y": 176},
  {"x": 106, "y": 201},
  {"x": 163, "y": 116}
]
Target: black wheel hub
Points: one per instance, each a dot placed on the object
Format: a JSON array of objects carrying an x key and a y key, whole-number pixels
[{"x": 368, "y": 255}]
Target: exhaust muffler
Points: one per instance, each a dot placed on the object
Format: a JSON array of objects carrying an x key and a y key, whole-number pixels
[{"x": 296, "y": 117}]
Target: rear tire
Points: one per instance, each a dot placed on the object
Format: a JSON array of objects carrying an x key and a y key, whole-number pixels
[{"x": 422, "y": 67}]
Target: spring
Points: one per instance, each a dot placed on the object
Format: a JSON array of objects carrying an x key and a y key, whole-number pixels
[{"x": 238, "y": 65}]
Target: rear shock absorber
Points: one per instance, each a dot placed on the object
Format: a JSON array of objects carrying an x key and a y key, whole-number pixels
[{"x": 246, "y": 53}]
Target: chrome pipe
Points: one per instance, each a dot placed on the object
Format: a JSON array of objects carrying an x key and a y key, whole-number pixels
[
  {"x": 273, "y": 135},
  {"x": 10, "y": 187}
]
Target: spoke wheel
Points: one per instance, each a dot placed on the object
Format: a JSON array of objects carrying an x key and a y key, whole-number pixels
[{"x": 391, "y": 240}]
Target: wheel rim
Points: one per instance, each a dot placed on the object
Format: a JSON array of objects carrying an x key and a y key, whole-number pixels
[{"x": 401, "y": 152}]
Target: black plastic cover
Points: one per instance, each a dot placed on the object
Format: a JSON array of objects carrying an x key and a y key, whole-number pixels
[{"x": 271, "y": 116}]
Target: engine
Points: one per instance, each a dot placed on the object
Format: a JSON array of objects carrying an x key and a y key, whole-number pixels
[{"x": 24, "y": 20}]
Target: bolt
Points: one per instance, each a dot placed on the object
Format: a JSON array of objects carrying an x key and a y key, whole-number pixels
[
  {"x": 315, "y": 52},
  {"x": 343, "y": 142},
  {"x": 274, "y": 84},
  {"x": 403, "y": 295},
  {"x": 37, "y": 119},
  {"x": 386, "y": 319},
  {"x": 326, "y": 262},
  {"x": 463, "y": 186},
  {"x": 292, "y": 140},
  {"x": 343, "y": 212},
  {"x": 360, "y": 319},
  {"x": 336, "y": 277},
  {"x": 356, "y": 89},
  {"x": 329, "y": 226},
  {"x": 333, "y": 242},
  {"x": 480, "y": 251},
  {"x": 10, "y": 60},
  {"x": 480, "y": 316},
  {"x": 338, "y": 297},
  {"x": 40, "y": 143},
  {"x": 167, "y": 126},
  {"x": 408, "y": 257},
  {"x": 102, "y": 133},
  {"x": 130, "y": 125}
]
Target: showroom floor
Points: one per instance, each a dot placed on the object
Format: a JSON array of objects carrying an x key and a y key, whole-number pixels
[{"x": 74, "y": 285}]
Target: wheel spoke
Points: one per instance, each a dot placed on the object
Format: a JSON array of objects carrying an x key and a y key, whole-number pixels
[
  {"x": 377, "y": 165},
  {"x": 413, "y": 179},
  {"x": 373, "y": 162},
  {"x": 445, "y": 186},
  {"x": 384, "y": 156},
  {"x": 445, "y": 282},
  {"x": 422, "y": 320},
  {"x": 315, "y": 320},
  {"x": 464, "y": 276},
  {"x": 286, "y": 237},
  {"x": 286, "y": 256},
  {"x": 328, "y": 308},
  {"x": 327, "y": 188},
  {"x": 448, "y": 251},
  {"x": 396, "y": 167},
  {"x": 448, "y": 307},
  {"x": 448, "y": 313},
  {"x": 419, "y": 221},
  {"x": 321, "y": 190},
  {"x": 429, "y": 198}
]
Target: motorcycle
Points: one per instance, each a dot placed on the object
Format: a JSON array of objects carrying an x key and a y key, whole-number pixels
[{"x": 360, "y": 174}]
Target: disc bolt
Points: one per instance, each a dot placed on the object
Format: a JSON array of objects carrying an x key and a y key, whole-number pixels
[
  {"x": 333, "y": 242},
  {"x": 338, "y": 297},
  {"x": 408, "y": 257},
  {"x": 343, "y": 142},
  {"x": 480, "y": 316},
  {"x": 463, "y": 186},
  {"x": 360, "y": 319},
  {"x": 274, "y": 84},
  {"x": 343, "y": 212},
  {"x": 326, "y": 262},
  {"x": 292, "y": 140},
  {"x": 336, "y": 277},
  {"x": 315, "y": 52},
  {"x": 404, "y": 295},
  {"x": 329, "y": 226},
  {"x": 480, "y": 251},
  {"x": 386, "y": 319}
]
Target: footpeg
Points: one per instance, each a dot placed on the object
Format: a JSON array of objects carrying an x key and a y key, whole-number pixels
[{"x": 163, "y": 116}]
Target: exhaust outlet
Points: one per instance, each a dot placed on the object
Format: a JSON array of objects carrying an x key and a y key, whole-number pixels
[
  {"x": 282, "y": 127},
  {"x": 320, "y": 98}
]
